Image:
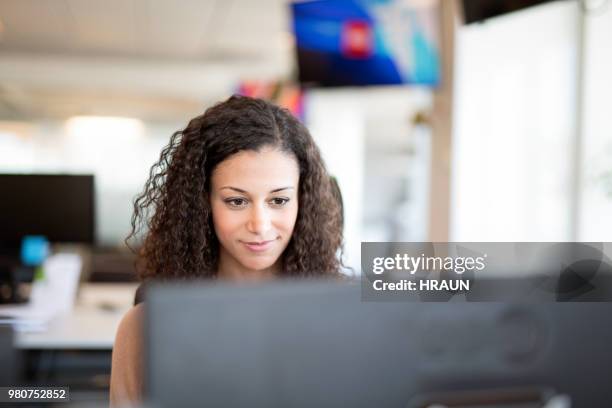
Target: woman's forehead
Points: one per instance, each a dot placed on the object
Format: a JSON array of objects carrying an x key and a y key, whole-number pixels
[{"x": 264, "y": 170}]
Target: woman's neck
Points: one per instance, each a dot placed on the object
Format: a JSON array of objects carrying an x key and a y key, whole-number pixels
[{"x": 231, "y": 270}]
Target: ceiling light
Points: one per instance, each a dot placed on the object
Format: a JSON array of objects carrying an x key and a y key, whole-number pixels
[{"x": 104, "y": 126}]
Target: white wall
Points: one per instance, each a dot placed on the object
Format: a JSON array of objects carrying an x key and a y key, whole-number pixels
[
  {"x": 595, "y": 210},
  {"x": 514, "y": 122}
]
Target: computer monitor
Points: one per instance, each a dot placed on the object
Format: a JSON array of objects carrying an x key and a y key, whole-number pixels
[
  {"x": 480, "y": 10},
  {"x": 318, "y": 345},
  {"x": 57, "y": 206},
  {"x": 10, "y": 357}
]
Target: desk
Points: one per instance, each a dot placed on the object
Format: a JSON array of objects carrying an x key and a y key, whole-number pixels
[{"x": 91, "y": 325}]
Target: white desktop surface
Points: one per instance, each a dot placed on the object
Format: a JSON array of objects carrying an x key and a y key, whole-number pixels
[{"x": 92, "y": 323}]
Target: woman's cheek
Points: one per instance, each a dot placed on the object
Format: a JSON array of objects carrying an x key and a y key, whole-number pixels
[
  {"x": 231, "y": 223},
  {"x": 221, "y": 221}
]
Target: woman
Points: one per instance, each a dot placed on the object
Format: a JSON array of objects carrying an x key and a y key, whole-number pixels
[{"x": 240, "y": 194}]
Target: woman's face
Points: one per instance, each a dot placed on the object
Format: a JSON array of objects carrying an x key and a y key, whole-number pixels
[{"x": 254, "y": 200}]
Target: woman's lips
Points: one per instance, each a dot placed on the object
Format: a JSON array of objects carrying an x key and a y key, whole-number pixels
[{"x": 258, "y": 246}]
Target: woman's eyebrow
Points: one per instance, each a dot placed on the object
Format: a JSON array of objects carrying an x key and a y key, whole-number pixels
[
  {"x": 276, "y": 190},
  {"x": 239, "y": 190}
]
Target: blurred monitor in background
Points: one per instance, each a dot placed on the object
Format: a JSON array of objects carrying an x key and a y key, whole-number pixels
[
  {"x": 319, "y": 345},
  {"x": 37, "y": 210},
  {"x": 353, "y": 43},
  {"x": 9, "y": 357},
  {"x": 480, "y": 10},
  {"x": 58, "y": 207}
]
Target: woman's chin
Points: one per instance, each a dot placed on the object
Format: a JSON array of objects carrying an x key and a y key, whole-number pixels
[{"x": 257, "y": 265}]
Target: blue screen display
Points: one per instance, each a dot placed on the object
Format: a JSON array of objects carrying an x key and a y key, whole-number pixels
[{"x": 367, "y": 42}]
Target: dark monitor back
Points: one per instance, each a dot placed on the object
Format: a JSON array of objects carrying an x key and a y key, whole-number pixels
[
  {"x": 319, "y": 345},
  {"x": 9, "y": 356},
  {"x": 60, "y": 207},
  {"x": 479, "y": 10}
]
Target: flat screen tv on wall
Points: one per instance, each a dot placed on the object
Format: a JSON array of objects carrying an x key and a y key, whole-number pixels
[
  {"x": 367, "y": 42},
  {"x": 480, "y": 10}
]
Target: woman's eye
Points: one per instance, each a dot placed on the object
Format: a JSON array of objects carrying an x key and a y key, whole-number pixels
[
  {"x": 279, "y": 201},
  {"x": 236, "y": 202}
]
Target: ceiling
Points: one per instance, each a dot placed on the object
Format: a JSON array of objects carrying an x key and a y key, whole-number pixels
[{"x": 156, "y": 59}]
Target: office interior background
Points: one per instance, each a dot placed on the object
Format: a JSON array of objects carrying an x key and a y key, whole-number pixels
[{"x": 513, "y": 144}]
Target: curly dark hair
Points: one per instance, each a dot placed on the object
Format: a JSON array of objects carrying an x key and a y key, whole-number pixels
[{"x": 174, "y": 209}]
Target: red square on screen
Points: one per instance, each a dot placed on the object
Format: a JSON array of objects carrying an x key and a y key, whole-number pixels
[{"x": 357, "y": 39}]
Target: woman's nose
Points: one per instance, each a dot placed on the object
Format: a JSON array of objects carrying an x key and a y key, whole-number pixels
[{"x": 260, "y": 221}]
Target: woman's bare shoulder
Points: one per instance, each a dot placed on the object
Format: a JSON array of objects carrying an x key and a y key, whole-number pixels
[
  {"x": 132, "y": 320},
  {"x": 126, "y": 372},
  {"x": 129, "y": 333}
]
